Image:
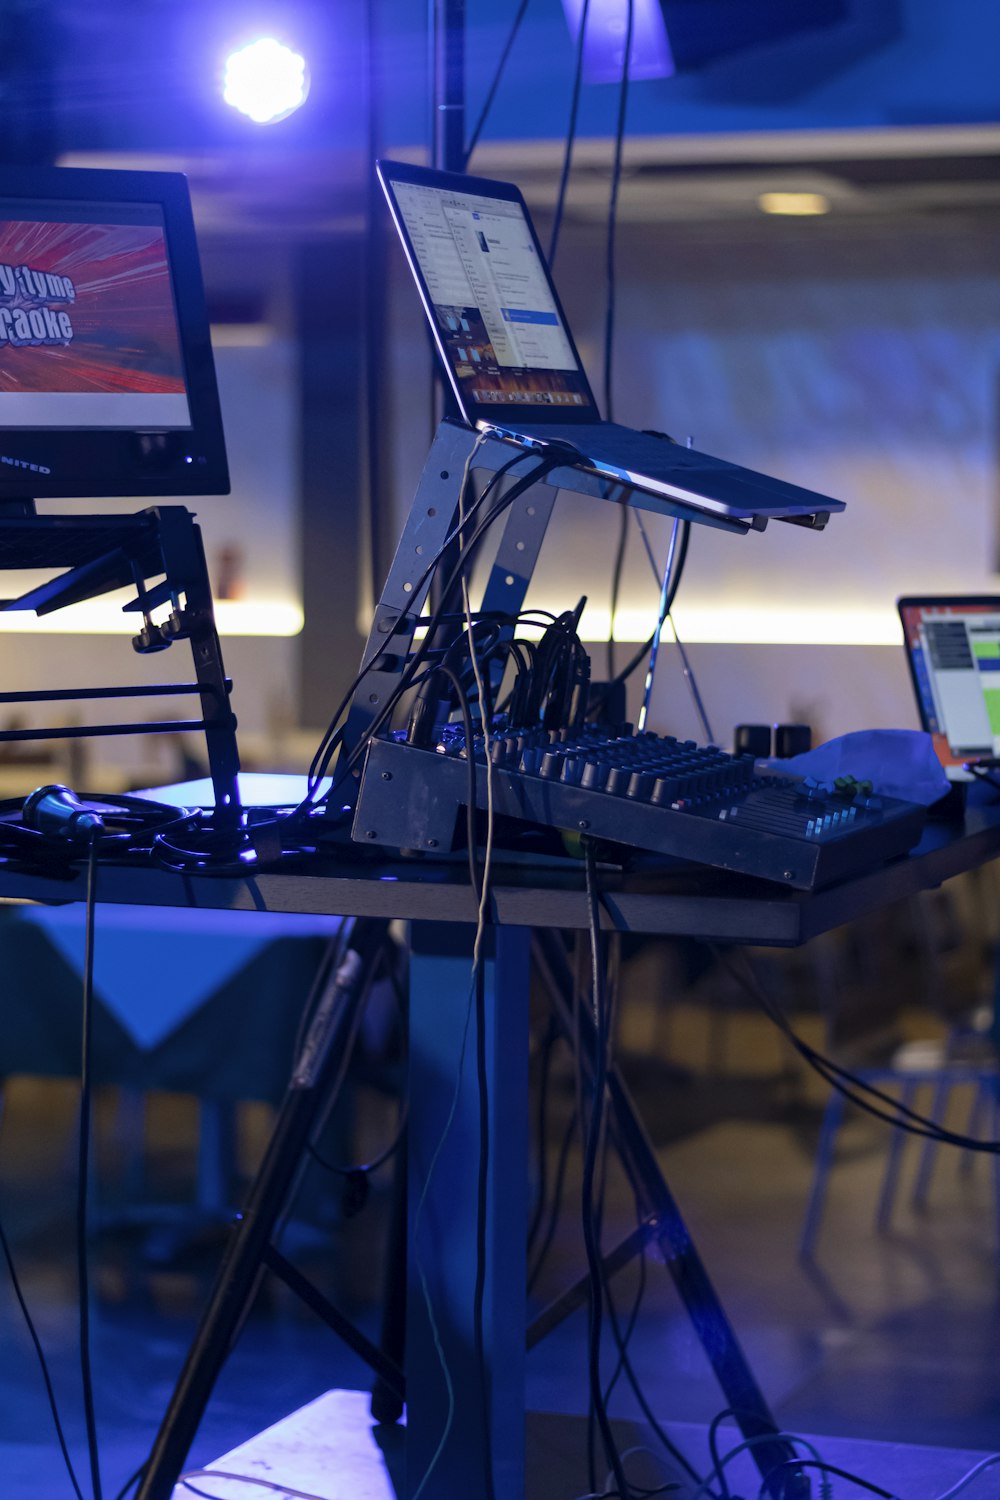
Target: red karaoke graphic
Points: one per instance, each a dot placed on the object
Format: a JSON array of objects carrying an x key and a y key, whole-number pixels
[{"x": 119, "y": 310}]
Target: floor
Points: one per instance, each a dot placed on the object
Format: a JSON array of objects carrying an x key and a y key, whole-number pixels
[{"x": 887, "y": 1339}]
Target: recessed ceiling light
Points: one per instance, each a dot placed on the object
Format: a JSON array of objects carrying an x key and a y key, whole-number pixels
[{"x": 793, "y": 203}]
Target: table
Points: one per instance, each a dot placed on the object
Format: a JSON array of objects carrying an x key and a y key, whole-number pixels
[{"x": 437, "y": 901}]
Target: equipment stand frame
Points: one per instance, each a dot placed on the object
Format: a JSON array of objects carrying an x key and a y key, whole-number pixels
[
  {"x": 101, "y": 553},
  {"x": 465, "y": 1394},
  {"x": 252, "y": 1248}
]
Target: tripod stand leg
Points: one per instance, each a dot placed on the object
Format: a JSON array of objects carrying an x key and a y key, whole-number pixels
[
  {"x": 708, "y": 1316},
  {"x": 386, "y": 1405},
  {"x": 313, "y": 1076},
  {"x": 448, "y": 1455}
]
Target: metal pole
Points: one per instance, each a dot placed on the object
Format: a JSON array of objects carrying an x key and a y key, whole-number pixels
[{"x": 447, "y": 28}]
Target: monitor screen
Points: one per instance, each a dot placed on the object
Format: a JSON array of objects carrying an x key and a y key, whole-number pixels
[
  {"x": 107, "y": 383},
  {"x": 486, "y": 289},
  {"x": 953, "y": 647}
]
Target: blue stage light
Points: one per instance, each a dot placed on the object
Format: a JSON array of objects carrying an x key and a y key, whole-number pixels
[{"x": 266, "y": 80}]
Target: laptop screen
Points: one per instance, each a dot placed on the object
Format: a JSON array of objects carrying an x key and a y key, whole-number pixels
[
  {"x": 953, "y": 647},
  {"x": 486, "y": 289}
]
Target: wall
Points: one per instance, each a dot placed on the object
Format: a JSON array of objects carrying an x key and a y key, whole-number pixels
[{"x": 257, "y": 525}]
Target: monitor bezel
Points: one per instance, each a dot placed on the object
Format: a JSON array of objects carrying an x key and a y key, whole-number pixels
[
  {"x": 88, "y": 463},
  {"x": 493, "y": 413}
]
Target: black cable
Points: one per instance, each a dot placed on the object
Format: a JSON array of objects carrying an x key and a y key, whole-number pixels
[
  {"x": 181, "y": 860},
  {"x": 43, "y": 1364},
  {"x": 497, "y": 76},
  {"x": 327, "y": 740},
  {"x": 330, "y": 960},
  {"x": 668, "y": 592},
  {"x": 470, "y": 757},
  {"x": 816, "y": 1463},
  {"x": 140, "y": 1471},
  {"x": 835, "y": 1075},
  {"x": 83, "y": 1169},
  {"x": 624, "y": 1360},
  {"x": 644, "y": 1494},
  {"x": 542, "y": 1131},
  {"x": 611, "y": 243},
  {"x": 713, "y": 1450},
  {"x": 592, "y": 1242},
  {"x": 640, "y": 655},
  {"x": 662, "y": 1437},
  {"x": 617, "y": 569},
  {"x": 283, "y": 1491},
  {"x": 388, "y": 1151},
  {"x": 598, "y": 1222},
  {"x": 482, "y": 1211},
  {"x": 713, "y": 1443},
  {"x": 323, "y": 756},
  {"x": 570, "y": 135},
  {"x": 692, "y": 683},
  {"x": 558, "y": 1187},
  {"x": 609, "y": 314},
  {"x": 630, "y": 1326}
]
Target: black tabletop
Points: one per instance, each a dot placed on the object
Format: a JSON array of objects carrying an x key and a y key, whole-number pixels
[{"x": 687, "y": 901}]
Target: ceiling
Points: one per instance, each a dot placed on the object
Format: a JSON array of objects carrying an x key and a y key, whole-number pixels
[{"x": 920, "y": 175}]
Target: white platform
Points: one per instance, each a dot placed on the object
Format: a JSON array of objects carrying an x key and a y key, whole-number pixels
[{"x": 331, "y": 1449}]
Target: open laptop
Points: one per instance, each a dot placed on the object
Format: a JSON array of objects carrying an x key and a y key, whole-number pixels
[
  {"x": 953, "y": 648},
  {"x": 510, "y": 357}
]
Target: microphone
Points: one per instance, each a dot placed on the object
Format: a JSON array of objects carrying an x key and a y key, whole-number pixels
[{"x": 56, "y": 810}]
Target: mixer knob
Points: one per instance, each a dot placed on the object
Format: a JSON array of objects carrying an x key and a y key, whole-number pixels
[
  {"x": 572, "y": 770},
  {"x": 618, "y": 780},
  {"x": 594, "y": 775},
  {"x": 665, "y": 790}
]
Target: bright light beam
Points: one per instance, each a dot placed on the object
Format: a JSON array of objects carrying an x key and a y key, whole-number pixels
[{"x": 265, "y": 80}]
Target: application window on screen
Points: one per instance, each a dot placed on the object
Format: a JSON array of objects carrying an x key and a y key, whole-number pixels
[{"x": 962, "y": 658}]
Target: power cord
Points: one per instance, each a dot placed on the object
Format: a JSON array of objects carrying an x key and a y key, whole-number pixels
[
  {"x": 666, "y": 606},
  {"x": 364, "y": 1169},
  {"x": 94, "y": 829},
  {"x": 748, "y": 1444},
  {"x": 42, "y": 1362},
  {"x": 679, "y": 538},
  {"x": 626, "y": 1366},
  {"x": 133, "y": 1480},
  {"x": 262, "y": 1484},
  {"x": 609, "y": 312},
  {"x": 592, "y": 1147},
  {"x": 497, "y": 76},
  {"x": 849, "y": 1084},
  {"x": 819, "y": 1463},
  {"x": 974, "y": 1473},
  {"x": 574, "y": 108},
  {"x": 331, "y": 739},
  {"x": 475, "y": 1005},
  {"x": 482, "y": 1184},
  {"x": 83, "y": 1171}
]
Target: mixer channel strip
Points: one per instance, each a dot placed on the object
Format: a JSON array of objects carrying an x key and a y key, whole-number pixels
[{"x": 646, "y": 791}]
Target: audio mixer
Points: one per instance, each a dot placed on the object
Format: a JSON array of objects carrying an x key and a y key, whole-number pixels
[{"x": 642, "y": 791}]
